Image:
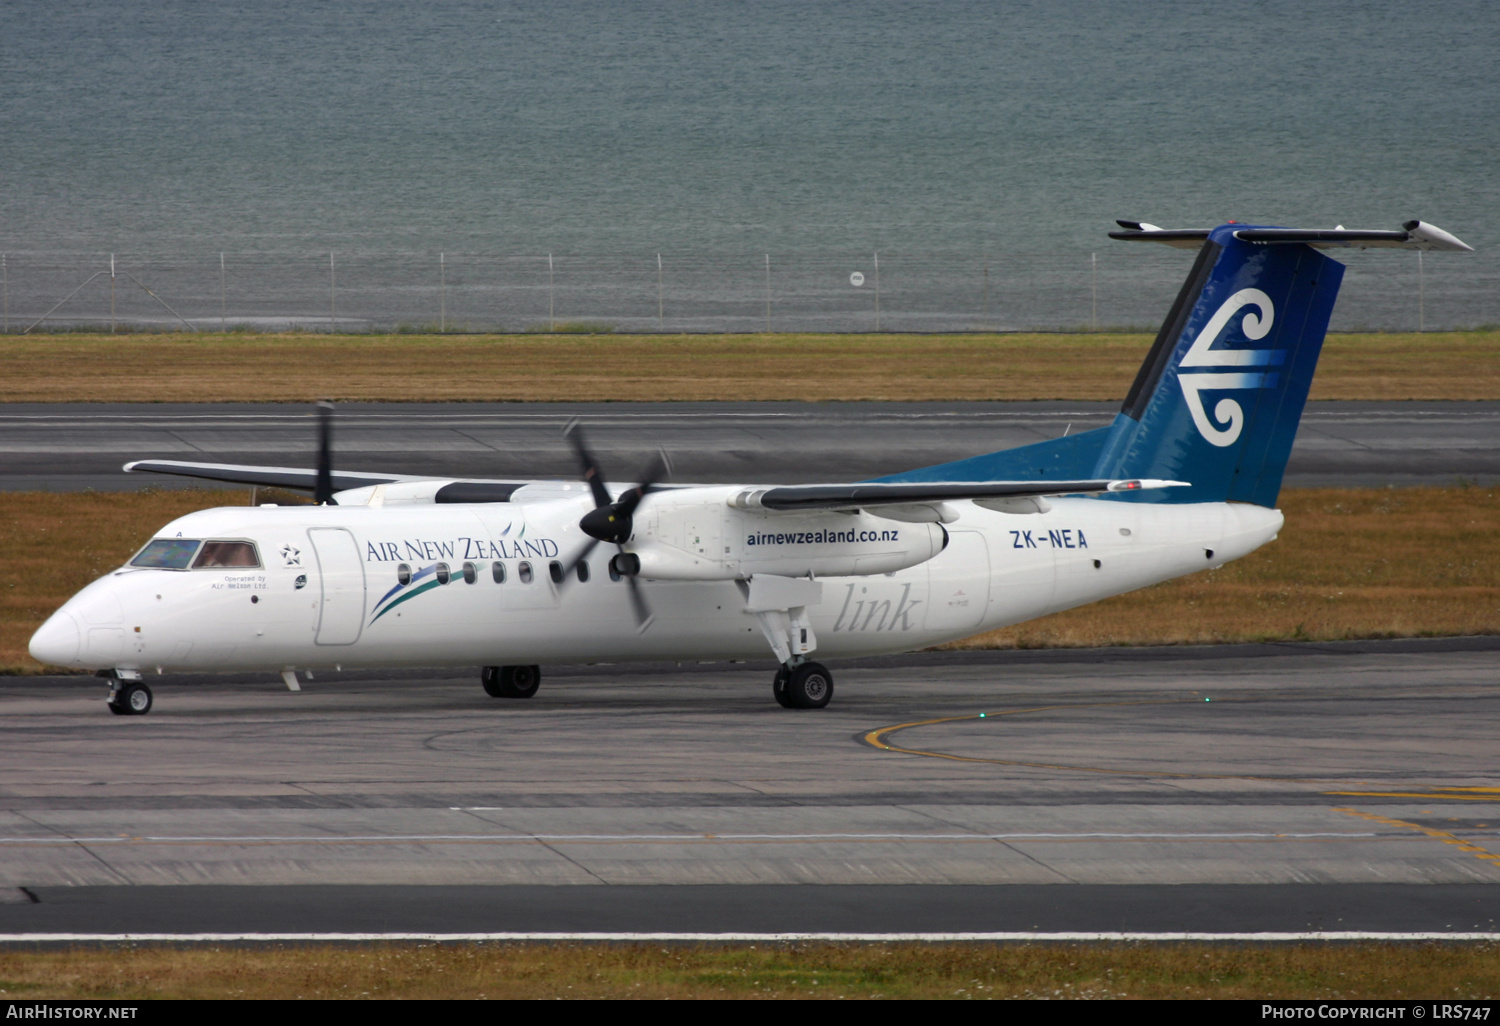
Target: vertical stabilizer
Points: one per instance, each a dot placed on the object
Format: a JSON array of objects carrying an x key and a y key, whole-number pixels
[{"x": 1219, "y": 397}]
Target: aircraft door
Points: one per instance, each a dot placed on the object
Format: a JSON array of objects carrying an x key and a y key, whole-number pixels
[
  {"x": 958, "y": 578},
  {"x": 341, "y": 575}
]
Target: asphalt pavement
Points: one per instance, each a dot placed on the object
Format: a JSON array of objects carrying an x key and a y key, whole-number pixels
[
  {"x": 1232, "y": 788},
  {"x": 73, "y": 447}
]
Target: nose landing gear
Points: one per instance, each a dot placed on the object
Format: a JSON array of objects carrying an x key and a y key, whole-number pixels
[
  {"x": 510, "y": 681},
  {"x": 128, "y": 697}
]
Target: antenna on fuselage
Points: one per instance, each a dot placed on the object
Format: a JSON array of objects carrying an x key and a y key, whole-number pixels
[{"x": 323, "y": 488}]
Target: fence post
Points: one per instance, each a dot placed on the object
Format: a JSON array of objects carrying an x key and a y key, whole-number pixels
[
  {"x": 1094, "y": 290},
  {"x": 223, "y": 300},
  {"x": 768, "y": 293},
  {"x": 1421, "y": 296},
  {"x": 986, "y": 291},
  {"x": 442, "y": 293},
  {"x": 111, "y": 293},
  {"x": 5, "y": 277},
  {"x": 877, "y": 291},
  {"x": 660, "y": 319},
  {"x": 333, "y": 321},
  {"x": 551, "y": 297}
]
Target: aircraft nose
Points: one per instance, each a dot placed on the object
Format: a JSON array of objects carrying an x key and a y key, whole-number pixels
[{"x": 56, "y": 641}]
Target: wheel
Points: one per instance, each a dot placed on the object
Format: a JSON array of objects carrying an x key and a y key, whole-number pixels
[
  {"x": 778, "y": 687},
  {"x": 133, "y": 699},
  {"x": 489, "y": 676},
  {"x": 519, "y": 681},
  {"x": 809, "y": 686}
]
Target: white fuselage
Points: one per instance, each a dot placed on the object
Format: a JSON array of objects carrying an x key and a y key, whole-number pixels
[{"x": 327, "y": 592}]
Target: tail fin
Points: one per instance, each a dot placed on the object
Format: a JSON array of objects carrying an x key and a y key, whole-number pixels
[
  {"x": 1218, "y": 400},
  {"x": 1219, "y": 397}
]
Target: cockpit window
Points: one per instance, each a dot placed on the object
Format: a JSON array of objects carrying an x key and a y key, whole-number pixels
[
  {"x": 227, "y": 553},
  {"x": 167, "y": 553}
]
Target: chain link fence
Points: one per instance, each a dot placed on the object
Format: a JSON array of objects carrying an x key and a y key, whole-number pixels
[{"x": 1122, "y": 287}]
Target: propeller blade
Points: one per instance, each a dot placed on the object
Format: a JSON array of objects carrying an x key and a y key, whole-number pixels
[
  {"x": 323, "y": 488},
  {"x": 591, "y": 470},
  {"x": 571, "y": 566},
  {"x": 656, "y": 472},
  {"x": 642, "y": 611}
]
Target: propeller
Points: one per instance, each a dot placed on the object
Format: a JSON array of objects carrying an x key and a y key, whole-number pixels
[
  {"x": 323, "y": 487},
  {"x": 613, "y": 520}
]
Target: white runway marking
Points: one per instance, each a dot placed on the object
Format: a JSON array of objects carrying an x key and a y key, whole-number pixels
[
  {"x": 1021, "y": 937},
  {"x": 668, "y": 838}
]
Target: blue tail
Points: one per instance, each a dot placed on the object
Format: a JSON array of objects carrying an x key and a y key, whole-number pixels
[{"x": 1219, "y": 397}]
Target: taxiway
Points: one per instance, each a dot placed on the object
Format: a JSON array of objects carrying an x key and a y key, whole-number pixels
[{"x": 1346, "y": 786}]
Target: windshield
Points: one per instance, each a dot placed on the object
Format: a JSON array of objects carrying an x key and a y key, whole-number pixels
[
  {"x": 167, "y": 553},
  {"x": 227, "y": 553}
]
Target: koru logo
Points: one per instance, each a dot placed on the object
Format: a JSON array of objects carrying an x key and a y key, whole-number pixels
[{"x": 1202, "y": 354}]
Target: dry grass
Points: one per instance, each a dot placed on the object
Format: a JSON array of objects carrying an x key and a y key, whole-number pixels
[
  {"x": 408, "y": 368},
  {"x": 1349, "y": 564},
  {"x": 1369, "y": 563},
  {"x": 1322, "y": 971}
]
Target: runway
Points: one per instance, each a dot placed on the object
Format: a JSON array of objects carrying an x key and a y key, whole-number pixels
[
  {"x": 72, "y": 447},
  {"x": 1279, "y": 787}
]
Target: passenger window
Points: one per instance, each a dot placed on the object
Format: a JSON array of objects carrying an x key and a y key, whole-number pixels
[
  {"x": 166, "y": 554},
  {"x": 227, "y": 553},
  {"x": 443, "y": 575},
  {"x": 403, "y": 574},
  {"x": 523, "y": 571},
  {"x": 471, "y": 573},
  {"x": 583, "y": 571},
  {"x": 497, "y": 571},
  {"x": 555, "y": 569}
]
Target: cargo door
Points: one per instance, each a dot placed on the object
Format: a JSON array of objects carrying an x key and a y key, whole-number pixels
[
  {"x": 958, "y": 592},
  {"x": 341, "y": 574}
]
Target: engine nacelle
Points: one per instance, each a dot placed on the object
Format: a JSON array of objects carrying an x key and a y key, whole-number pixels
[{"x": 701, "y": 538}]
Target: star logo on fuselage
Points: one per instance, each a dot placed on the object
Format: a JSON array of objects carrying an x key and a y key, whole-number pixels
[{"x": 292, "y": 555}]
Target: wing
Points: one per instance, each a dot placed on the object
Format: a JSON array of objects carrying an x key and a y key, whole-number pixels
[
  {"x": 295, "y": 478},
  {"x": 304, "y": 480}
]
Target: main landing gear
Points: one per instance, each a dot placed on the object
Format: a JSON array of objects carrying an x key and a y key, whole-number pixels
[
  {"x": 779, "y": 605},
  {"x": 128, "y": 697},
  {"x": 510, "y": 681},
  {"x": 807, "y": 685}
]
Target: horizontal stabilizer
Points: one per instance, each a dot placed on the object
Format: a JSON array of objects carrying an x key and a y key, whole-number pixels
[
  {"x": 1413, "y": 235},
  {"x": 810, "y": 498}
]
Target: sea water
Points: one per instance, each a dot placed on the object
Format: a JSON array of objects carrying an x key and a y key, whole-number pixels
[{"x": 716, "y": 164}]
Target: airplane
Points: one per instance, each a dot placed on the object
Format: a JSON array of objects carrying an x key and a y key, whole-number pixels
[{"x": 391, "y": 570}]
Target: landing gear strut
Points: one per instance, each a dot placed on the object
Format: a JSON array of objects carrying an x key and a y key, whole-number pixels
[
  {"x": 511, "y": 681},
  {"x": 779, "y": 605},
  {"x": 807, "y": 685}
]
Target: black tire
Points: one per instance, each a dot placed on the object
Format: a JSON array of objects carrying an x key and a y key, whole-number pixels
[
  {"x": 810, "y": 686},
  {"x": 489, "y": 677},
  {"x": 778, "y": 687},
  {"x": 133, "y": 699},
  {"x": 519, "y": 681}
]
